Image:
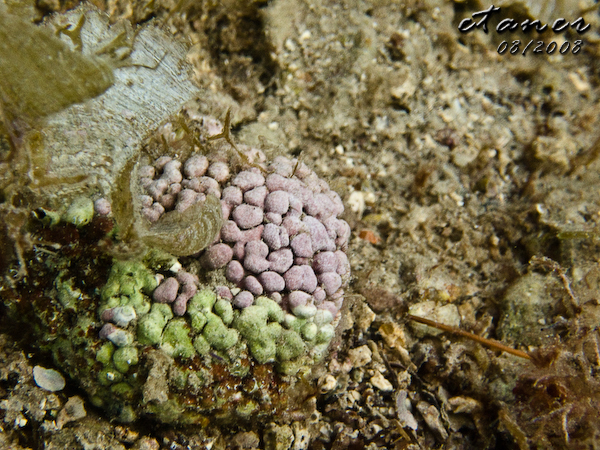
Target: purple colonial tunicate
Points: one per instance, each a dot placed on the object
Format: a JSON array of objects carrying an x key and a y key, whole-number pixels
[
  {"x": 298, "y": 298},
  {"x": 277, "y": 202},
  {"x": 195, "y": 166},
  {"x": 243, "y": 299},
  {"x": 274, "y": 218},
  {"x": 217, "y": 256},
  {"x": 232, "y": 195},
  {"x": 234, "y": 272},
  {"x": 293, "y": 225},
  {"x": 219, "y": 171},
  {"x": 319, "y": 295},
  {"x": 281, "y": 260},
  {"x": 253, "y": 285},
  {"x": 325, "y": 262},
  {"x": 294, "y": 278},
  {"x": 281, "y": 235},
  {"x": 255, "y": 258},
  {"x": 230, "y": 232},
  {"x": 343, "y": 267},
  {"x": 256, "y": 196},
  {"x": 166, "y": 292},
  {"x": 319, "y": 237},
  {"x": 167, "y": 201},
  {"x": 224, "y": 292},
  {"x": 157, "y": 188},
  {"x": 146, "y": 201},
  {"x": 331, "y": 282},
  {"x": 161, "y": 162},
  {"x": 209, "y": 186},
  {"x": 146, "y": 172},
  {"x": 180, "y": 305},
  {"x": 275, "y": 237},
  {"x": 174, "y": 189},
  {"x": 272, "y": 281},
  {"x": 239, "y": 250},
  {"x": 247, "y": 180},
  {"x": 247, "y": 216},
  {"x": 300, "y": 278},
  {"x": 295, "y": 203},
  {"x": 309, "y": 283},
  {"x": 302, "y": 245}
]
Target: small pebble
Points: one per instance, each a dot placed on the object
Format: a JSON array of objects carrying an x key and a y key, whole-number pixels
[
  {"x": 102, "y": 207},
  {"x": 48, "y": 379},
  {"x": 360, "y": 356},
  {"x": 73, "y": 410}
]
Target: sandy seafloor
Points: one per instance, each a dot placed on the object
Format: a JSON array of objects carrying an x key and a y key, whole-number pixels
[{"x": 472, "y": 186}]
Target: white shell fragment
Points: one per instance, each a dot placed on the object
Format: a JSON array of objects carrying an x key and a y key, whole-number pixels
[
  {"x": 74, "y": 410},
  {"x": 48, "y": 379}
]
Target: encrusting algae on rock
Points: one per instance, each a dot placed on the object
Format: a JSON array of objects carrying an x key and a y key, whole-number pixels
[{"x": 203, "y": 288}]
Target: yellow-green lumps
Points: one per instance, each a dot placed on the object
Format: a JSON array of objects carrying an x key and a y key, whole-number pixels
[
  {"x": 176, "y": 339},
  {"x": 150, "y": 327},
  {"x": 260, "y": 324},
  {"x": 217, "y": 334},
  {"x": 197, "y": 308},
  {"x": 105, "y": 353},
  {"x": 224, "y": 309},
  {"x": 129, "y": 283},
  {"x": 124, "y": 357}
]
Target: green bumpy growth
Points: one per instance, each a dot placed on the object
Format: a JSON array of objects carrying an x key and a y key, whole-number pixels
[
  {"x": 215, "y": 360},
  {"x": 129, "y": 284},
  {"x": 211, "y": 324}
]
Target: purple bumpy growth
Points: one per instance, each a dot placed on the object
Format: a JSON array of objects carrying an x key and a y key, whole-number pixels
[{"x": 281, "y": 235}]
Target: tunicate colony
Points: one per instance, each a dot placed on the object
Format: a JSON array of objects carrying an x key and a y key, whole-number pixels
[
  {"x": 268, "y": 288},
  {"x": 193, "y": 281}
]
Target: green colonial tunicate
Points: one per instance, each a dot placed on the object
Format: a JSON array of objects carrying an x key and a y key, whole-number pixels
[
  {"x": 150, "y": 327},
  {"x": 176, "y": 339},
  {"x": 290, "y": 346},
  {"x": 274, "y": 311},
  {"x": 81, "y": 212},
  {"x": 203, "y": 301},
  {"x": 325, "y": 334},
  {"x": 201, "y": 345},
  {"x": 129, "y": 284},
  {"x": 261, "y": 336},
  {"x": 309, "y": 331},
  {"x": 217, "y": 334},
  {"x": 224, "y": 309},
  {"x": 197, "y": 308},
  {"x": 105, "y": 353},
  {"x": 124, "y": 357}
]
